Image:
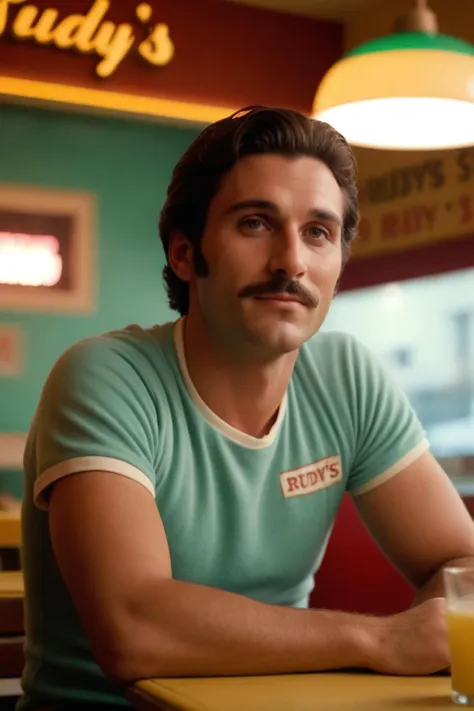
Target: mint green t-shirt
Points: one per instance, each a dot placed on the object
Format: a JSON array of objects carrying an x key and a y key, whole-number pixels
[{"x": 243, "y": 514}]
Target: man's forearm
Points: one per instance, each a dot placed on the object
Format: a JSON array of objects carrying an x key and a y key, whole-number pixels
[
  {"x": 434, "y": 586},
  {"x": 193, "y": 630}
]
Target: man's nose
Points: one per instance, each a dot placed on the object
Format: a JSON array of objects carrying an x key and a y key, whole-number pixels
[{"x": 287, "y": 257}]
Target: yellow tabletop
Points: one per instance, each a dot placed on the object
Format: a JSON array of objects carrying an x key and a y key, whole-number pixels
[
  {"x": 11, "y": 584},
  {"x": 294, "y": 692},
  {"x": 10, "y": 529}
]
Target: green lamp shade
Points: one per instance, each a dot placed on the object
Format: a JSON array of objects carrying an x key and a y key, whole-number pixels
[{"x": 404, "y": 91}]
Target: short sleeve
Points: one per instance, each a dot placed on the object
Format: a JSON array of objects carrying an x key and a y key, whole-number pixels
[
  {"x": 389, "y": 435},
  {"x": 95, "y": 414}
]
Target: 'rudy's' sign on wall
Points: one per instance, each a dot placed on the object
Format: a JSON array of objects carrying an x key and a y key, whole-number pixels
[
  {"x": 414, "y": 201},
  {"x": 196, "y": 60},
  {"x": 89, "y": 33}
]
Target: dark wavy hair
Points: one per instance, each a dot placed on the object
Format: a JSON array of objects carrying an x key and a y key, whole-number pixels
[{"x": 251, "y": 131}]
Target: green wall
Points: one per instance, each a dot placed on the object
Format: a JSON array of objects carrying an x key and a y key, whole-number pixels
[{"x": 127, "y": 165}]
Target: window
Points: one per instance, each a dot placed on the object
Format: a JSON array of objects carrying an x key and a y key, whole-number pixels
[{"x": 422, "y": 330}]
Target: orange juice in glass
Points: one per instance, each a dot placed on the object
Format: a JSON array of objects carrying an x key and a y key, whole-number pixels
[{"x": 459, "y": 584}]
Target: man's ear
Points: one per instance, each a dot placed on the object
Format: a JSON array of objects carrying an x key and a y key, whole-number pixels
[{"x": 180, "y": 256}]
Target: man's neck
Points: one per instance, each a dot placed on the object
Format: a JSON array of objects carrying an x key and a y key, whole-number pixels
[{"x": 245, "y": 393}]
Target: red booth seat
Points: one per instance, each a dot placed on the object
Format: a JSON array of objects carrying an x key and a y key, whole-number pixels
[{"x": 355, "y": 576}]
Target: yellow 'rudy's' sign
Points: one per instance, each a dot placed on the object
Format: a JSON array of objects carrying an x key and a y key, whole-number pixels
[{"x": 89, "y": 33}]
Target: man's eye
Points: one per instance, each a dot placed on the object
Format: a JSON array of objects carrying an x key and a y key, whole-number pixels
[
  {"x": 253, "y": 223},
  {"x": 317, "y": 233}
]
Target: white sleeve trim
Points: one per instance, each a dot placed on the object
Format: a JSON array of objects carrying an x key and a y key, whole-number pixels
[
  {"x": 395, "y": 469},
  {"x": 86, "y": 464}
]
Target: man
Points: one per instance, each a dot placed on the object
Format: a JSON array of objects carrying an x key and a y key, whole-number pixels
[{"x": 182, "y": 481}]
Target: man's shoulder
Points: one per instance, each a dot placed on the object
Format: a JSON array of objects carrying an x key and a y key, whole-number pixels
[
  {"x": 131, "y": 336},
  {"x": 339, "y": 363},
  {"x": 127, "y": 347},
  {"x": 106, "y": 384},
  {"x": 130, "y": 360}
]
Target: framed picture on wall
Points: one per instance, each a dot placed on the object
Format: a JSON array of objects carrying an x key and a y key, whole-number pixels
[
  {"x": 11, "y": 350},
  {"x": 47, "y": 249}
]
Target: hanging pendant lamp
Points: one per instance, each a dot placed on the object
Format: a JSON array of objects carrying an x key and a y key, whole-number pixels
[{"x": 411, "y": 90}]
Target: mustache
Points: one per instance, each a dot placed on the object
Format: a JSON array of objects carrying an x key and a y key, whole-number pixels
[{"x": 281, "y": 286}]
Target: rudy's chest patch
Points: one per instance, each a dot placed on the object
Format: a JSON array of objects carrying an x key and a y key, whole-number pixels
[{"x": 311, "y": 477}]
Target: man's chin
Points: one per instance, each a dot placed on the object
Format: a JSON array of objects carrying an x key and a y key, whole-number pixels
[{"x": 282, "y": 338}]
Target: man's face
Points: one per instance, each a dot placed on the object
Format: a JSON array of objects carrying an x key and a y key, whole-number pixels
[{"x": 272, "y": 243}]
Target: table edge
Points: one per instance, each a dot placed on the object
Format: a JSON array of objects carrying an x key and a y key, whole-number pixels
[{"x": 170, "y": 700}]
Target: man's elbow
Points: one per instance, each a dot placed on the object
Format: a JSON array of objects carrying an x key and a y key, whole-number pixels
[
  {"x": 118, "y": 666},
  {"x": 127, "y": 662}
]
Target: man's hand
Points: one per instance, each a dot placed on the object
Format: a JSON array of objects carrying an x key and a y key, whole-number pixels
[{"x": 414, "y": 642}]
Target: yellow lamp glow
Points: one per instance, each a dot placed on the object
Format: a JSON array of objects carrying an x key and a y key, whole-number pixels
[{"x": 409, "y": 90}]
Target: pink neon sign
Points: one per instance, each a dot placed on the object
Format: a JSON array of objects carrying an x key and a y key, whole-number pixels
[{"x": 29, "y": 260}]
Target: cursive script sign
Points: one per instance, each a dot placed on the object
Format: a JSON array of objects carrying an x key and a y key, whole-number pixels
[{"x": 89, "y": 33}]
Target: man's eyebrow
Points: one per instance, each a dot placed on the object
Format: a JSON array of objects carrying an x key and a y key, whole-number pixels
[
  {"x": 252, "y": 204},
  {"x": 259, "y": 204},
  {"x": 326, "y": 216}
]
